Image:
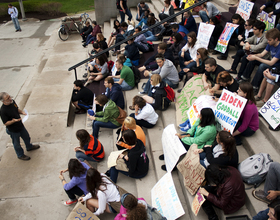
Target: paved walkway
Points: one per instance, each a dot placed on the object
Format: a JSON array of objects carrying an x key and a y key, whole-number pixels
[{"x": 33, "y": 69}]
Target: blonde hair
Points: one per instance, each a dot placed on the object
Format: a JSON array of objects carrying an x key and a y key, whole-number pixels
[
  {"x": 156, "y": 79},
  {"x": 129, "y": 123}
]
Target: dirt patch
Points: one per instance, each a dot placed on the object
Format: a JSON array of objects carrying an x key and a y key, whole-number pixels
[{"x": 40, "y": 16}]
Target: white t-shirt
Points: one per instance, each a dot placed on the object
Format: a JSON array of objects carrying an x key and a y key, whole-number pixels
[
  {"x": 192, "y": 50},
  {"x": 148, "y": 114},
  {"x": 111, "y": 194}
]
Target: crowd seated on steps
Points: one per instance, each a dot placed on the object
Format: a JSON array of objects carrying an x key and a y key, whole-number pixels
[{"x": 217, "y": 152}]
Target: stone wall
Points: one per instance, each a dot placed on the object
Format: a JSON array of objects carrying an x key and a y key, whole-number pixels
[{"x": 107, "y": 9}]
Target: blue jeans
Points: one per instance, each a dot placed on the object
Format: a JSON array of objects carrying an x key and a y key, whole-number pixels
[
  {"x": 201, "y": 158},
  {"x": 127, "y": 12},
  {"x": 96, "y": 125},
  {"x": 151, "y": 38},
  {"x": 114, "y": 174},
  {"x": 16, "y": 24},
  {"x": 89, "y": 39},
  {"x": 124, "y": 85},
  {"x": 186, "y": 57},
  {"x": 16, "y": 141},
  {"x": 259, "y": 75},
  {"x": 81, "y": 156},
  {"x": 262, "y": 215},
  {"x": 204, "y": 17}
]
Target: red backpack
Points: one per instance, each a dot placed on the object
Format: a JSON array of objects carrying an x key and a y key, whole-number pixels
[{"x": 170, "y": 94}]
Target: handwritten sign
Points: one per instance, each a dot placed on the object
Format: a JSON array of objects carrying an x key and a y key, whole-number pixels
[
  {"x": 197, "y": 203},
  {"x": 225, "y": 37},
  {"x": 244, "y": 9},
  {"x": 80, "y": 212},
  {"x": 204, "y": 34},
  {"x": 271, "y": 110},
  {"x": 204, "y": 101},
  {"x": 269, "y": 22},
  {"x": 191, "y": 170},
  {"x": 165, "y": 198},
  {"x": 228, "y": 110},
  {"x": 172, "y": 147},
  {"x": 191, "y": 91}
]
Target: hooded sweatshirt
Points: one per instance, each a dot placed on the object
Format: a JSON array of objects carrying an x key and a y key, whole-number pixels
[
  {"x": 168, "y": 71},
  {"x": 116, "y": 95}
]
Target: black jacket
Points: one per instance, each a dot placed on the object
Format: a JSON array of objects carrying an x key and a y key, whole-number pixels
[
  {"x": 159, "y": 94},
  {"x": 138, "y": 161}
]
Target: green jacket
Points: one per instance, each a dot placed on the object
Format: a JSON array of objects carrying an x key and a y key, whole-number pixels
[
  {"x": 110, "y": 113},
  {"x": 203, "y": 135}
]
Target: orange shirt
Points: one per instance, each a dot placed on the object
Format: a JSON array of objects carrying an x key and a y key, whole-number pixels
[{"x": 139, "y": 134}]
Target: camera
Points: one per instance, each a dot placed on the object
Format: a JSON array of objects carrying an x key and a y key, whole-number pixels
[{"x": 275, "y": 70}]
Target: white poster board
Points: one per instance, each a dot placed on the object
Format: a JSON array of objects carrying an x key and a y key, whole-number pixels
[
  {"x": 271, "y": 110},
  {"x": 165, "y": 198},
  {"x": 172, "y": 147},
  {"x": 204, "y": 101},
  {"x": 244, "y": 9},
  {"x": 228, "y": 110},
  {"x": 225, "y": 37},
  {"x": 204, "y": 34},
  {"x": 269, "y": 21}
]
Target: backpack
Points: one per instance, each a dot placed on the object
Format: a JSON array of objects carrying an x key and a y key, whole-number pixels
[
  {"x": 150, "y": 46},
  {"x": 170, "y": 94},
  {"x": 254, "y": 169},
  {"x": 153, "y": 214},
  {"x": 137, "y": 75},
  {"x": 110, "y": 65}
]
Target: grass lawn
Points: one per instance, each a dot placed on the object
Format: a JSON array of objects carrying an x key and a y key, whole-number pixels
[{"x": 64, "y": 6}]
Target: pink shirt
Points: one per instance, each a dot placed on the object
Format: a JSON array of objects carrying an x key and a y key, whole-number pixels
[{"x": 249, "y": 117}]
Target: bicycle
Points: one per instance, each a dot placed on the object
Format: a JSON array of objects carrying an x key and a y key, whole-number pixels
[{"x": 76, "y": 24}]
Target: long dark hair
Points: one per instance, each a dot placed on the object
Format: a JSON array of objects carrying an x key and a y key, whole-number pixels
[
  {"x": 216, "y": 174},
  {"x": 151, "y": 19},
  {"x": 94, "y": 182},
  {"x": 192, "y": 35},
  {"x": 129, "y": 137},
  {"x": 115, "y": 26},
  {"x": 229, "y": 143},
  {"x": 75, "y": 168},
  {"x": 247, "y": 88},
  {"x": 207, "y": 117},
  {"x": 239, "y": 18},
  {"x": 83, "y": 136}
]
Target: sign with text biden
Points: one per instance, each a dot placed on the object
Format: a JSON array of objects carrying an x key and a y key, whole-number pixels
[{"x": 228, "y": 110}]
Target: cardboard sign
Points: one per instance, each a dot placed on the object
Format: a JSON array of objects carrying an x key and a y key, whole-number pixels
[
  {"x": 228, "y": 110},
  {"x": 225, "y": 37},
  {"x": 204, "y": 34},
  {"x": 191, "y": 170},
  {"x": 80, "y": 212},
  {"x": 204, "y": 101},
  {"x": 172, "y": 147},
  {"x": 244, "y": 9},
  {"x": 165, "y": 198},
  {"x": 269, "y": 22},
  {"x": 197, "y": 203},
  {"x": 191, "y": 91},
  {"x": 271, "y": 110}
]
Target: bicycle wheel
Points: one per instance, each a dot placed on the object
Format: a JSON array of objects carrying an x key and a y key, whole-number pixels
[{"x": 63, "y": 33}]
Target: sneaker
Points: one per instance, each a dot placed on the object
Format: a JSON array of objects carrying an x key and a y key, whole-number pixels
[
  {"x": 161, "y": 157},
  {"x": 257, "y": 98},
  {"x": 131, "y": 108},
  {"x": 142, "y": 93},
  {"x": 260, "y": 103},
  {"x": 114, "y": 54},
  {"x": 215, "y": 52},
  {"x": 179, "y": 90},
  {"x": 24, "y": 157},
  {"x": 184, "y": 124},
  {"x": 85, "y": 75},
  {"x": 276, "y": 129},
  {"x": 244, "y": 78},
  {"x": 70, "y": 202},
  {"x": 233, "y": 57},
  {"x": 260, "y": 195},
  {"x": 34, "y": 147},
  {"x": 232, "y": 71}
]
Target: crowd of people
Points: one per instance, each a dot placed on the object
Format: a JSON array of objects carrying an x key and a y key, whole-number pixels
[{"x": 182, "y": 51}]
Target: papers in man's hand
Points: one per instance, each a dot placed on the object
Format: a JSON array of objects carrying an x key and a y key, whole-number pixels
[{"x": 26, "y": 116}]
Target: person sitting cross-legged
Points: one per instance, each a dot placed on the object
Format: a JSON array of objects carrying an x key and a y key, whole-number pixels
[
  {"x": 166, "y": 70},
  {"x": 82, "y": 97},
  {"x": 126, "y": 77}
]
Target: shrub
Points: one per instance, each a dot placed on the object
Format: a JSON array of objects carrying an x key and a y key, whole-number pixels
[{"x": 50, "y": 8}]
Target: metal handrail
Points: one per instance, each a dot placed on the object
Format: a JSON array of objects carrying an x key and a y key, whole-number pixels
[{"x": 136, "y": 35}]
